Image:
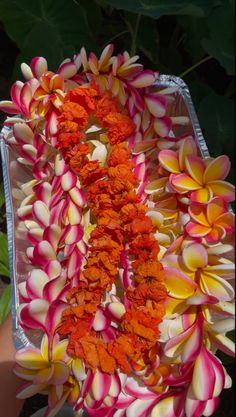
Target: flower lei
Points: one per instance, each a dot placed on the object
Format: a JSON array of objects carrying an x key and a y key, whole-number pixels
[{"x": 127, "y": 226}]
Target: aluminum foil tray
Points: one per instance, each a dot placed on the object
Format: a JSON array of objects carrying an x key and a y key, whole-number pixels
[{"x": 15, "y": 174}]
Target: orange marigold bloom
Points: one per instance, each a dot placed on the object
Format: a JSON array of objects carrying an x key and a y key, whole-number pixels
[
  {"x": 120, "y": 154},
  {"x": 74, "y": 112},
  {"x": 125, "y": 198},
  {"x": 106, "y": 105},
  {"x": 68, "y": 140},
  {"x": 84, "y": 295},
  {"x": 79, "y": 148},
  {"x": 84, "y": 96},
  {"x": 90, "y": 172},
  {"x": 123, "y": 171},
  {"x": 96, "y": 277},
  {"x": 117, "y": 352},
  {"x": 86, "y": 348},
  {"x": 142, "y": 323},
  {"x": 139, "y": 225},
  {"x": 107, "y": 216},
  {"x": 107, "y": 362},
  {"x": 105, "y": 261},
  {"x": 68, "y": 126},
  {"x": 120, "y": 127},
  {"x": 103, "y": 242},
  {"x": 81, "y": 311},
  {"x": 77, "y": 319},
  {"x": 144, "y": 246},
  {"x": 149, "y": 272},
  {"x": 111, "y": 230},
  {"x": 131, "y": 211},
  {"x": 94, "y": 353},
  {"x": 101, "y": 202},
  {"x": 144, "y": 292}
]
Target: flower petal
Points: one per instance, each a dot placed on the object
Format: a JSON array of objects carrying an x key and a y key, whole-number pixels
[
  {"x": 203, "y": 371},
  {"x": 184, "y": 183},
  {"x": 29, "y": 389},
  {"x": 202, "y": 195},
  {"x": 197, "y": 230},
  {"x": 168, "y": 407},
  {"x": 169, "y": 160},
  {"x": 30, "y": 358},
  {"x": 216, "y": 286},
  {"x": 156, "y": 104},
  {"x": 198, "y": 214},
  {"x": 178, "y": 284},
  {"x": 215, "y": 208},
  {"x": 217, "y": 169},
  {"x": 145, "y": 79},
  {"x": 195, "y": 167},
  {"x": 187, "y": 147},
  {"x": 195, "y": 256}
]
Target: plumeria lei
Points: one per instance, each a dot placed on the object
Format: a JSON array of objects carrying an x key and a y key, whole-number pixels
[{"x": 127, "y": 229}]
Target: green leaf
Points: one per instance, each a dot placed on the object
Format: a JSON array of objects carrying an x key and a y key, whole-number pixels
[
  {"x": 198, "y": 92},
  {"x": 147, "y": 40},
  {"x": 5, "y": 303},
  {"x": 46, "y": 27},
  {"x": 158, "y": 8},
  {"x": 195, "y": 29},
  {"x": 94, "y": 14},
  {"x": 2, "y": 198},
  {"x": 220, "y": 43},
  {"x": 216, "y": 115},
  {"x": 4, "y": 262}
]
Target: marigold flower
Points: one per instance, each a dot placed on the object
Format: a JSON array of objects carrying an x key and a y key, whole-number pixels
[
  {"x": 144, "y": 292},
  {"x": 141, "y": 323},
  {"x": 84, "y": 96},
  {"x": 97, "y": 277},
  {"x": 122, "y": 171},
  {"x": 120, "y": 154},
  {"x": 149, "y": 272},
  {"x": 120, "y": 127},
  {"x": 74, "y": 112}
]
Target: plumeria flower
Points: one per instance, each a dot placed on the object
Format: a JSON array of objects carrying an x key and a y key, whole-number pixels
[
  {"x": 189, "y": 173},
  {"x": 43, "y": 367},
  {"x": 211, "y": 221},
  {"x": 203, "y": 268},
  {"x": 204, "y": 180},
  {"x": 48, "y": 369},
  {"x": 49, "y": 95}
]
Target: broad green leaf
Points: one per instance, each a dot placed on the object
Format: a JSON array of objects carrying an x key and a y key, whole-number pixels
[
  {"x": 2, "y": 198},
  {"x": 220, "y": 43},
  {"x": 4, "y": 263},
  {"x": 198, "y": 92},
  {"x": 94, "y": 14},
  {"x": 5, "y": 303},
  {"x": 216, "y": 115},
  {"x": 147, "y": 41},
  {"x": 195, "y": 29},
  {"x": 46, "y": 27},
  {"x": 158, "y": 8}
]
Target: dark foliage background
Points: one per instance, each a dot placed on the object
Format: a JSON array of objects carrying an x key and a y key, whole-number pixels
[{"x": 193, "y": 39}]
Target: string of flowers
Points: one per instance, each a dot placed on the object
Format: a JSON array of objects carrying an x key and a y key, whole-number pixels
[{"x": 128, "y": 228}]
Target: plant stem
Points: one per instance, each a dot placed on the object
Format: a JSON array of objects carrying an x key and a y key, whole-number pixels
[
  {"x": 135, "y": 34},
  {"x": 207, "y": 58},
  {"x": 115, "y": 37}
]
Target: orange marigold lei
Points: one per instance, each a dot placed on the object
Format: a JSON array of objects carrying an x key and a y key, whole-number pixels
[{"x": 121, "y": 228}]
